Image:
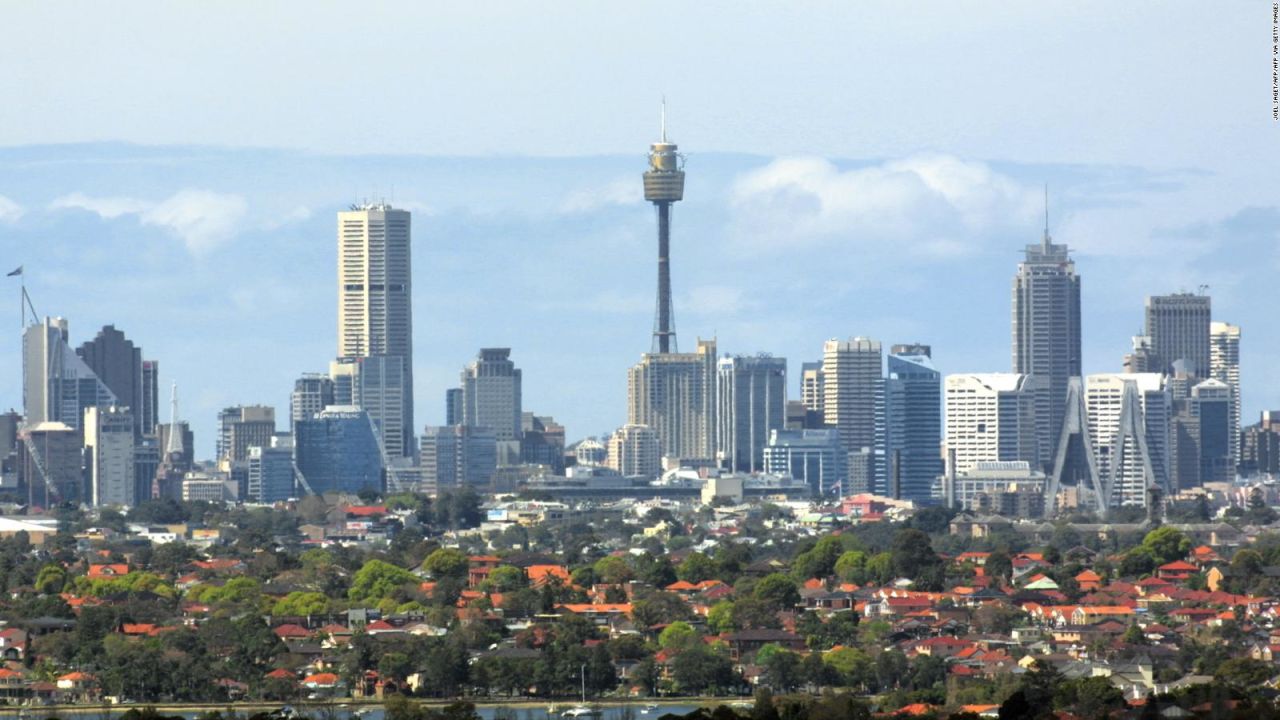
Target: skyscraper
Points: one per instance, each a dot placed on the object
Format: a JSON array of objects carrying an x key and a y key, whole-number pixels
[
  {"x": 271, "y": 474},
  {"x": 992, "y": 418},
  {"x": 1046, "y": 327},
  {"x": 664, "y": 185},
  {"x": 1178, "y": 326},
  {"x": 913, "y": 421},
  {"x": 458, "y": 456},
  {"x": 243, "y": 427},
  {"x": 675, "y": 394},
  {"x": 1202, "y": 436},
  {"x": 752, "y": 400},
  {"x": 149, "y": 411},
  {"x": 118, "y": 364},
  {"x": 108, "y": 442},
  {"x": 57, "y": 386},
  {"x": 312, "y": 393},
  {"x": 1224, "y": 366},
  {"x": 52, "y": 464},
  {"x": 338, "y": 451},
  {"x": 633, "y": 452},
  {"x": 812, "y": 455},
  {"x": 853, "y": 399},
  {"x": 375, "y": 317},
  {"x": 491, "y": 394},
  {"x": 1105, "y": 398}
]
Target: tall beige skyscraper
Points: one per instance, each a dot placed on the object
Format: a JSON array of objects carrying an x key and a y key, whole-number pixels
[
  {"x": 1224, "y": 365},
  {"x": 675, "y": 394},
  {"x": 853, "y": 398},
  {"x": 375, "y": 318}
]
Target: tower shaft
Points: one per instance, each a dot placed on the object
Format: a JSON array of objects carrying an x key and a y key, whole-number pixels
[{"x": 663, "y": 333}]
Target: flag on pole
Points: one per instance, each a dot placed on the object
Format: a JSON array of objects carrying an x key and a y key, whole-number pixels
[{"x": 15, "y": 272}]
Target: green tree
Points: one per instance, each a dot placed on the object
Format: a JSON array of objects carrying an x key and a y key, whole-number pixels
[
  {"x": 913, "y": 554},
  {"x": 445, "y": 563},
  {"x": 50, "y": 579},
  {"x": 377, "y": 579},
  {"x": 508, "y": 578},
  {"x": 301, "y": 603},
  {"x": 720, "y": 617},
  {"x": 1166, "y": 544},
  {"x": 613, "y": 570},
  {"x": 696, "y": 567},
  {"x": 777, "y": 591},
  {"x": 679, "y": 635},
  {"x": 852, "y": 566}
]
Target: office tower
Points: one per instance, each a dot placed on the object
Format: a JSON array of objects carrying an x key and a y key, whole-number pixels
[
  {"x": 271, "y": 473},
  {"x": 633, "y": 452},
  {"x": 149, "y": 410},
  {"x": 337, "y": 451},
  {"x": 10, "y": 465},
  {"x": 1046, "y": 327},
  {"x": 542, "y": 441},
  {"x": 57, "y": 386},
  {"x": 674, "y": 393},
  {"x": 913, "y": 422},
  {"x": 242, "y": 427},
  {"x": 312, "y": 393},
  {"x": 1224, "y": 366},
  {"x": 664, "y": 185},
  {"x": 453, "y": 406},
  {"x": 752, "y": 400},
  {"x": 375, "y": 317},
  {"x": 590, "y": 453},
  {"x": 1202, "y": 436},
  {"x": 1141, "y": 359},
  {"x": 118, "y": 363},
  {"x": 992, "y": 418},
  {"x": 491, "y": 394},
  {"x": 458, "y": 456},
  {"x": 147, "y": 458},
  {"x": 52, "y": 464},
  {"x": 344, "y": 372},
  {"x": 1260, "y": 447},
  {"x": 108, "y": 444},
  {"x": 812, "y": 386},
  {"x": 812, "y": 455},
  {"x": 1178, "y": 326},
  {"x": 1106, "y": 397},
  {"x": 853, "y": 399}
]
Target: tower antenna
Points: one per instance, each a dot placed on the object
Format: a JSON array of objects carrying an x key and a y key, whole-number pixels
[
  {"x": 174, "y": 445},
  {"x": 664, "y": 118}
]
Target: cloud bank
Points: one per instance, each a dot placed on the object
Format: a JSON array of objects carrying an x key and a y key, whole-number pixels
[{"x": 204, "y": 220}]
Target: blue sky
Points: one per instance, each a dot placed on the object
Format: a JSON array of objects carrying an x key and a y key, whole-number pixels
[{"x": 175, "y": 169}]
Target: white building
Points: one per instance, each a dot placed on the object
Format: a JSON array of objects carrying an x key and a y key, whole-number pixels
[
  {"x": 991, "y": 417},
  {"x": 633, "y": 452},
  {"x": 108, "y": 439},
  {"x": 1104, "y": 400},
  {"x": 1224, "y": 366}
]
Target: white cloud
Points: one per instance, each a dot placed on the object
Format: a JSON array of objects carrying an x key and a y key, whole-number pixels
[
  {"x": 622, "y": 191},
  {"x": 940, "y": 204},
  {"x": 202, "y": 219},
  {"x": 716, "y": 300},
  {"x": 10, "y": 211},
  {"x": 108, "y": 208}
]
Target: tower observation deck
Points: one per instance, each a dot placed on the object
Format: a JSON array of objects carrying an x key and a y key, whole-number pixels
[{"x": 663, "y": 185}]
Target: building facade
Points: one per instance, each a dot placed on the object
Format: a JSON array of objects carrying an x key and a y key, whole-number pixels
[
  {"x": 458, "y": 456},
  {"x": 312, "y": 393},
  {"x": 814, "y": 456},
  {"x": 992, "y": 418},
  {"x": 913, "y": 423},
  {"x": 1178, "y": 326},
  {"x": 491, "y": 394},
  {"x": 1224, "y": 366},
  {"x": 57, "y": 385},
  {"x": 751, "y": 404},
  {"x": 338, "y": 451},
  {"x": 271, "y": 474},
  {"x": 375, "y": 317},
  {"x": 118, "y": 363},
  {"x": 675, "y": 394},
  {"x": 1105, "y": 402},
  {"x": 633, "y": 451},
  {"x": 108, "y": 443},
  {"x": 853, "y": 399}
]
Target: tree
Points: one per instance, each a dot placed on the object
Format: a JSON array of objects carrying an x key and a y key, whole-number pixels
[
  {"x": 1091, "y": 697},
  {"x": 507, "y": 578},
  {"x": 820, "y": 560},
  {"x": 446, "y": 562},
  {"x": 913, "y": 554},
  {"x": 1243, "y": 673},
  {"x": 720, "y": 617},
  {"x": 50, "y": 579},
  {"x": 1166, "y": 544},
  {"x": 659, "y": 608},
  {"x": 696, "y": 567},
  {"x": 702, "y": 671},
  {"x": 782, "y": 669},
  {"x": 777, "y": 591},
  {"x": 679, "y": 635},
  {"x": 377, "y": 579},
  {"x": 852, "y": 566},
  {"x": 300, "y": 604},
  {"x": 999, "y": 565},
  {"x": 613, "y": 570}
]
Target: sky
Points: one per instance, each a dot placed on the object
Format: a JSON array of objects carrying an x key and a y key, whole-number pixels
[{"x": 853, "y": 169}]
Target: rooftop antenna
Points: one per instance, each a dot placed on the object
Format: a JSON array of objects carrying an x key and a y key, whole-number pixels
[
  {"x": 174, "y": 444},
  {"x": 664, "y": 118}
]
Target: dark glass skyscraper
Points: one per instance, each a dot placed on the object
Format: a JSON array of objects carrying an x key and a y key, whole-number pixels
[
  {"x": 338, "y": 451},
  {"x": 913, "y": 422}
]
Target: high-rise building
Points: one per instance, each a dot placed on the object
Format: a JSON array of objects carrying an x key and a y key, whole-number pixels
[
  {"x": 1046, "y": 329},
  {"x": 491, "y": 394},
  {"x": 1224, "y": 366},
  {"x": 1105, "y": 398},
  {"x": 1260, "y": 447},
  {"x": 312, "y": 393},
  {"x": 1178, "y": 326},
  {"x": 674, "y": 393},
  {"x": 913, "y": 422},
  {"x": 853, "y": 399},
  {"x": 243, "y": 427},
  {"x": 271, "y": 473},
  {"x": 338, "y": 451},
  {"x": 751, "y": 404},
  {"x": 146, "y": 463},
  {"x": 542, "y": 441},
  {"x": 52, "y": 464},
  {"x": 664, "y": 185},
  {"x": 149, "y": 410},
  {"x": 453, "y": 406},
  {"x": 992, "y": 418},
  {"x": 812, "y": 388},
  {"x": 118, "y": 363},
  {"x": 458, "y": 456},
  {"x": 633, "y": 452},
  {"x": 57, "y": 386},
  {"x": 1202, "y": 440},
  {"x": 375, "y": 318},
  {"x": 108, "y": 444},
  {"x": 812, "y": 455}
]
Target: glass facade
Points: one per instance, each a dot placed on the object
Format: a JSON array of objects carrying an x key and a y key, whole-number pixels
[{"x": 337, "y": 451}]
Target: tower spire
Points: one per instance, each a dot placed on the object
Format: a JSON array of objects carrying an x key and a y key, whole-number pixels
[
  {"x": 664, "y": 185},
  {"x": 174, "y": 444},
  {"x": 664, "y": 118}
]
